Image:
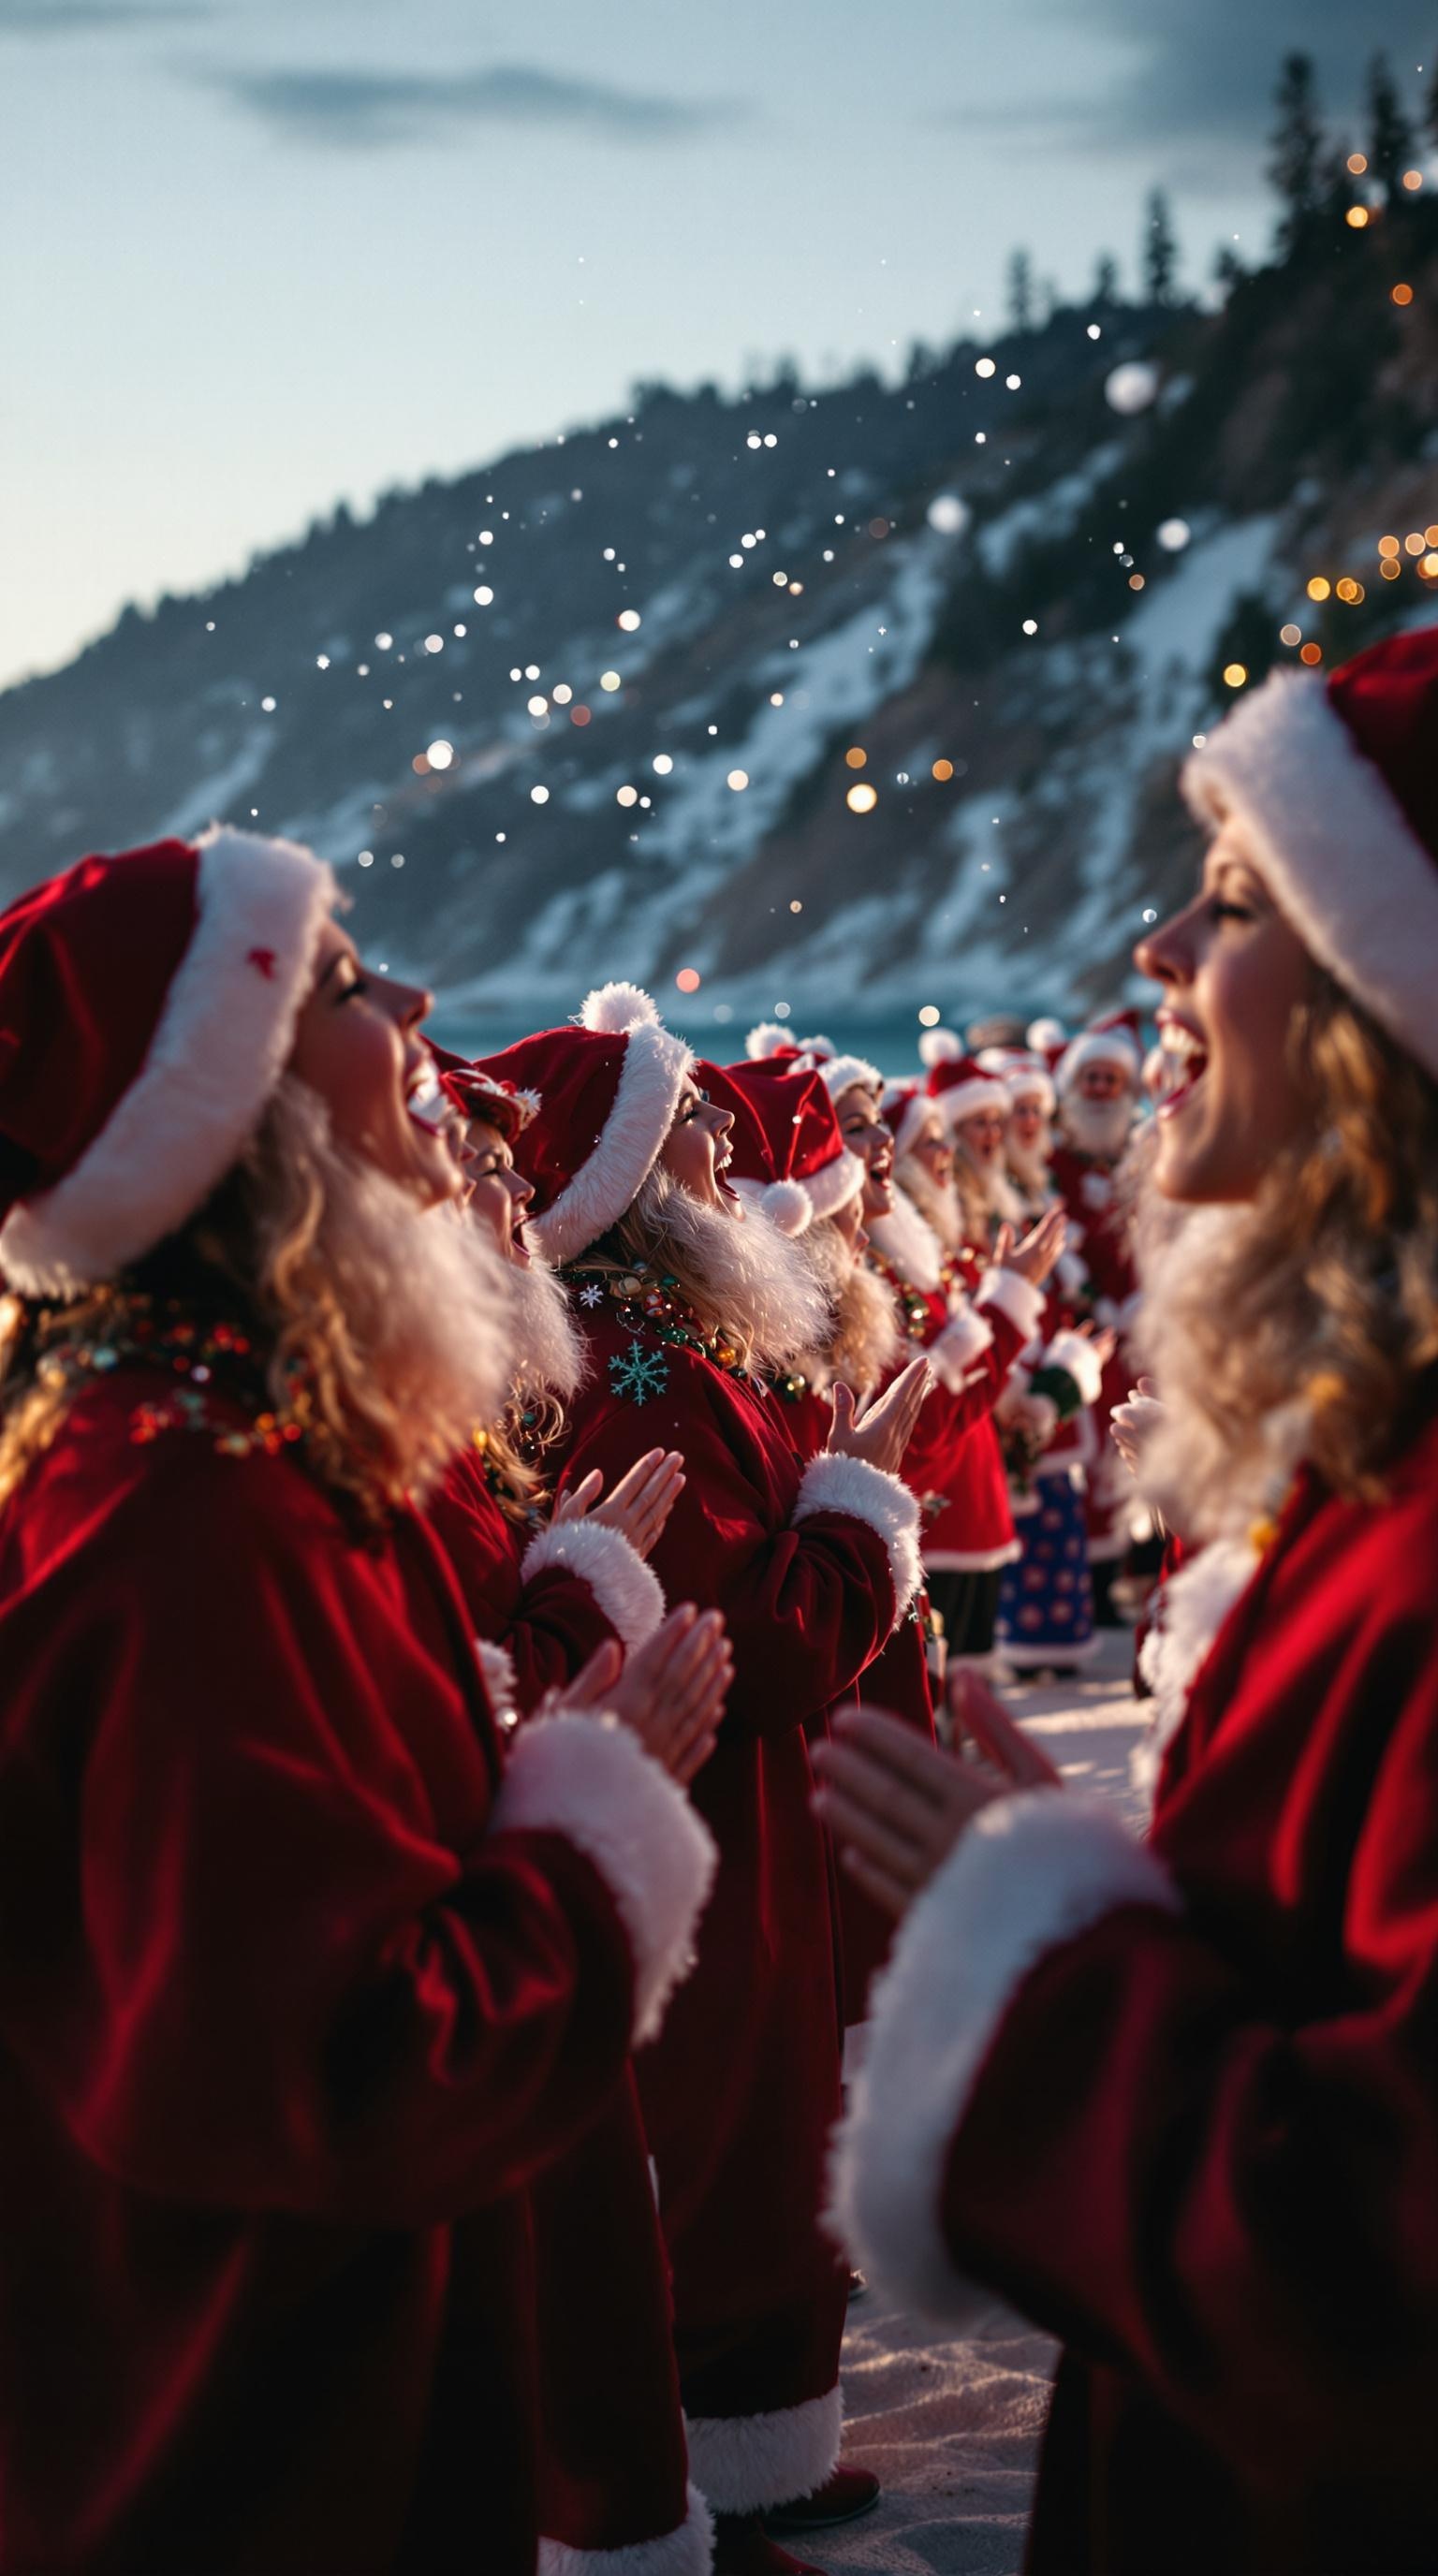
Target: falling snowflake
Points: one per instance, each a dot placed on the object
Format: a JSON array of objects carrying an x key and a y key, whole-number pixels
[{"x": 638, "y": 1373}]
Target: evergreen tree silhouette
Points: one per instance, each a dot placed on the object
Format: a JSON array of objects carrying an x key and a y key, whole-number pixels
[
  {"x": 1228, "y": 268},
  {"x": 1390, "y": 135},
  {"x": 1021, "y": 291},
  {"x": 1105, "y": 280},
  {"x": 1297, "y": 148},
  {"x": 1160, "y": 250}
]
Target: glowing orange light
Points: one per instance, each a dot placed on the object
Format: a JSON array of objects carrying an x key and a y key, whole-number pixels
[
  {"x": 1415, "y": 543},
  {"x": 688, "y": 979},
  {"x": 1388, "y": 545},
  {"x": 1357, "y": 163},
  {"x": 1428, "y": 566},
  {"x": 855, "y": 759},
  {"x": 1318, "y": 588},
  {"x": 943, "y": 771},
  {"x": 861, "y": 799},
  {"x": 1413, "y": 179},
  {"x": 420, "y": 765},
  {"x": 1349, "y": 589},
  {"x": 1402, "y": 294},
  {"x": 1135, "y": 581},
  {"x": 1357, "y": 216},
  {"x": 1311, "y": 653},
  {"x": 1390, "y": 569},
  {"x": 1234, "y": 675}
]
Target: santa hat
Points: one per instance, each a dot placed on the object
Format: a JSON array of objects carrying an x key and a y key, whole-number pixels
[
  {"x": 768, "y": 1043},
  {"x": 789, "y": 1152},
  {"x": 1336, "y": 783},
  {"x": 958, "y": 1082},
  {"x": 841, "y": 1073},
  {"x": 473, "y": 1090},
  {"x": 147, "y": 1011},
  {"x": 1115, "y": 1039},
  {"x": 607, "y": 1088},
  {"x": 907, "y": 1109},
  {"x": 1024, "y": 1077},
  {"x": 1048, "y": 1038}
]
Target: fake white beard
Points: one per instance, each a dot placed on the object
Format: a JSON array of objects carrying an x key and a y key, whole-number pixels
[
  {"x": 1029, "y": 1164},
  {"x": 759, "y": 1280},
  {"x": 1207, "y": 1484},
  {"x": 908, "y": 1242},
  {"x": 548, "y": 1346},
  {"x": 426, "y": 1299},
  {"x": 1098, "y": 1127},
  {"x": 938, "y": 1202},
  {"x": 864, "y": 1335},
  {"x": 984, "y": 1191}
]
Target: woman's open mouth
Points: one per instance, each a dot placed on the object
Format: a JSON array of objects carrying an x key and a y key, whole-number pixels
[
  {"x": 722, "y": 1161},
  {"x": 1185, "y": 1062}
]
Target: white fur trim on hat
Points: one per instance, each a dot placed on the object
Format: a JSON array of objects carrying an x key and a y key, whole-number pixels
[
  {"x": 767, "y": 1039},
  {"x": 613, "y": 1009},
  {"x": 965, "y": 1099},
  {"x": 590, "y": 1779},
  {"x": 919, "y": 1110},
  {"x": 835, "y": 1183},
  {"x": 1335, "y": 849},
  {"x": 1015, "y": 1297},
  {"x": 843, "y": 1073},
  {"x": 833, "y": 1482},
  {"x": 626, "y": 1589},
  {"x": 1031, "y": 1873},
  {"x": 1046, "y": 1035},
  {"x": 686, "y": 2551},
  {"x": 1098, "y": 1046},
  {"x": 1029, "y": 1082},
  {"x": 220, "y": 1046},
  {"x": 747, "y": 2463},
  {"x": 939, "y": 1046},
  {"x": 786, "y": 1204},
  {"x": 960, "y": 1345},
  {"x": 651, "y": 1078}
]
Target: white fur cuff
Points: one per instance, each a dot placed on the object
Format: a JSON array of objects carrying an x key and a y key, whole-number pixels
[
  {"x": 590, "y": 1779},
  {"x": 688, "y": 2551},
  {"x": 626, "y": 1589},
  {"x": 746, "y": 2463},
  {"x": 835, "y": 1483},
  {"x": 1015, "y": 1297},
  {"x": 1031, "y": 1873},
  {"x": 501, "y": 1683},
  {"x": 964, "y": 1339},
  {"x": 1076, "y": 1354}
]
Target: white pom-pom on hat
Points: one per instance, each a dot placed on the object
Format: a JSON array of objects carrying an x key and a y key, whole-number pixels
[
  {"x": 787, "y": 1205},
  {"x": 766, "y": 1040},
  {"x": 612, "y": 1010},
  {"x": 939, "y": 1046}
]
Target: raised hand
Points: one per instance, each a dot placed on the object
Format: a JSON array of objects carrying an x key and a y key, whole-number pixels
[
  {"x": 638, "y": 1506},
  {"x": 980, "y": 1715},
  {"x": 881, "y": 1430},
  {"x": 895, "y": 1804},
  {"x": 672, "y": 1691},
  {"x": 1131, "y": 1424},
  {"x": 1035, "y": 1257}
]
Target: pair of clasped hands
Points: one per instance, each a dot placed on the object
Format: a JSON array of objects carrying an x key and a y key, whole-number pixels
[{"x": 671, "y": 1691}]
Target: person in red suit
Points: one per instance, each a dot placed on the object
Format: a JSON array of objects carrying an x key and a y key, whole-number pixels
[
  {"x": 1098, "y": 1080},
  {"x": 302, "y": 1983},
  {"x": 686, "y": 1306},
  {"x": 1177, "y": 2100}
]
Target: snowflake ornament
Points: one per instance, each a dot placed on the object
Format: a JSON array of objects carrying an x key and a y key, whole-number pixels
[
  {"x": 638, "y": 1373},
  {"x": 591, "y": 1296}
]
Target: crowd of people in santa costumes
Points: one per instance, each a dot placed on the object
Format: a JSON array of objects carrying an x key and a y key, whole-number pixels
[
  {"x": 499, "y": 1563},
  {"x": 1176, "y": 2098}
]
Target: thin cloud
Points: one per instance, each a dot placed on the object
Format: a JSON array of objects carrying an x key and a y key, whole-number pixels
[
  {"x": 91, "y": 17},
  {"x": 373, "y": 110}
]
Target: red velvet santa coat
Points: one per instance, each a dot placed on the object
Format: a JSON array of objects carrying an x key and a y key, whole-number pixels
[
  {"x": 972, "y": 1340},
  {"x": 1085, "y": 1183},
  {"x": 613, "y": 2474},
  {"x": 296, "y": 2002},
  {"x": 811, "y": 1570},
  {"x": 896, "y": 1680},
  {"x": 1180, "y": 2103}
]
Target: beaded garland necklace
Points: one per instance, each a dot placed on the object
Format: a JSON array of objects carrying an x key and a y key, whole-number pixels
[
  {"x": 913, "y": 1304},
  {"x": 643, "y": 1300},
  {"x": 204, "y": 1359}
]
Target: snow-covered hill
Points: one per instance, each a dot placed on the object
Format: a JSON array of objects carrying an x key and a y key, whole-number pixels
[{"x": 602, "y": 708}]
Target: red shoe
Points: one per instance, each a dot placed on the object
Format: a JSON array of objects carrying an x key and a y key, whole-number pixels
[
  {"x": 742, "y": 2547},
  {"x": 842, "y": 2498}
]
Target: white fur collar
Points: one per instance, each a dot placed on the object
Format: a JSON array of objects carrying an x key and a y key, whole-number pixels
[
  {"x": 908, "y": 1241},
  {"x": 1190, "y": 1609}
]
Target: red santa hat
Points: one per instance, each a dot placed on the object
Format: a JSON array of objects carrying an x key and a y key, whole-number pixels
[
  {"x": 607, "y": 1088},
  {"x": 958, "y": 1082},
  {"x": 1024, "y": 1077},
  {"x": 1048, "y": 1038},
  {"x": 789, "y": 1150},
  {"x": 768, "y": 1043},
  {"x": 474, "y": 1091},
  {"x": 148, "y": 1004},
  {"x": 1115, "y": 1039},
  {"x": 1336, "y": 783},
  {"x": 841, "y": 1073},
  {"x": 907, "y": 1110}
]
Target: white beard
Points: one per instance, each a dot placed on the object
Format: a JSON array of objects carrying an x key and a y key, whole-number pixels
[
  {"x": 760, "y": 1280},
  {"x": 908, "y": 1242},
  {"x": 548, "y": 1347},
  {"x": 984, "y": 1191},
  {"x": 938, "y": 1202},
  {"x": 1099, "y": 1127},
  {"x": 426, "y": 1298},
  {"x": 1029, "y": 1166},
  {"x": 864, "y": 1333}
]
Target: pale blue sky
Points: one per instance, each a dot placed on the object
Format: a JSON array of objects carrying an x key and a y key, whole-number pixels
[{"x": 259, "y": 255}]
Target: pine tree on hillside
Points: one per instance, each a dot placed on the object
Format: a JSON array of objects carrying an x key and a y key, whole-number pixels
[
  {"x": 1297, "y": 147},
  {"x": 1430, "y": 114},
  {"x": 1228, "y": 268},
  {"x": 1160, "y": 250},
  {"x": 1021, "y": 292},
  {"x": 1390, "y": 135},
  {"x": 1105, "y": 280}
]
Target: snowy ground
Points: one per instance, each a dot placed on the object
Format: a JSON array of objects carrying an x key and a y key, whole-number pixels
[{"x": 953, "y": 2428}]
